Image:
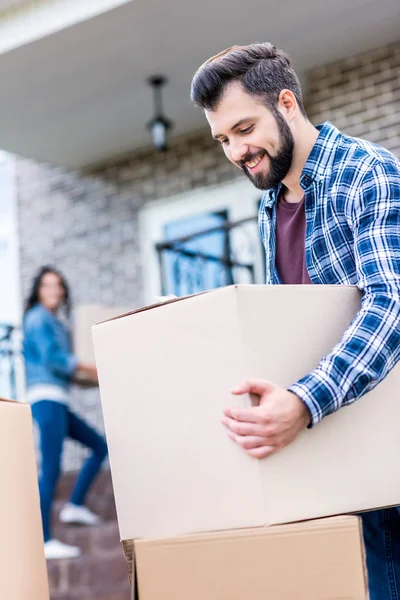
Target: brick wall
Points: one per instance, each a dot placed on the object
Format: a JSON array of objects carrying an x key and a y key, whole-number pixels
[
  {"x": 361, "y": 96},
  {"x": 87, "y": 225}
]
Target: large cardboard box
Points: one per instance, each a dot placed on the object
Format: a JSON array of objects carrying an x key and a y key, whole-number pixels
[
  {"x": 316, "y": 560},
  {"x": 23, "y": 572},
  {"x": 165, "y": 378}
]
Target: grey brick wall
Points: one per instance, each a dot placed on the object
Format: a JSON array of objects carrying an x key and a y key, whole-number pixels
[
  {"x": 361, "y": 96},
  {"x": 87, "y": 225}
]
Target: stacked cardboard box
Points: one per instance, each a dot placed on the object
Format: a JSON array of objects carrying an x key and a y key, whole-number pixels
[
  {"x": 23, "y": 572},
  {"x": 165, "y": 377},
  {"x": 314, "y": 560}
]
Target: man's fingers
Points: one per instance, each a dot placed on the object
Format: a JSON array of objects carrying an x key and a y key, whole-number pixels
[
  {"x": 262, "y": 451},
  {"x": 253, "y": 386},
  {"x": 247, "y": 415},
  {"x": 248, "y": 442},
  {"x": 243, "y": 428}
]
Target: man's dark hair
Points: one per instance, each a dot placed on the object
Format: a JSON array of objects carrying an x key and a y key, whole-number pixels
[{"x": 262, "y": 69}]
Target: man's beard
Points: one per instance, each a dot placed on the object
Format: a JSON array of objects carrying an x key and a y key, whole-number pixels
[{"x": 279, "y": 165}]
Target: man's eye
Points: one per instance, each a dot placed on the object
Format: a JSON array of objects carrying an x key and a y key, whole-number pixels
[
  {"x": 247, "y": 130},
  {"x": 224, "y": 142}
]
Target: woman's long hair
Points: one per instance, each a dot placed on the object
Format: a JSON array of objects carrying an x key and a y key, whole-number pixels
[{"x": 33, "y": 297}]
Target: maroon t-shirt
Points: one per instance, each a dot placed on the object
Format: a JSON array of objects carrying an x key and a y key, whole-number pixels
[{"x": 290, "y": 258}]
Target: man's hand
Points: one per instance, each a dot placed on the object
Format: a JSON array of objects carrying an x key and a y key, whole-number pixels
[{"x": 273, "y": 424}]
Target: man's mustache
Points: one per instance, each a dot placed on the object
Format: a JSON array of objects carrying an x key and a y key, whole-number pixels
[{"x": 251, "y": 156}]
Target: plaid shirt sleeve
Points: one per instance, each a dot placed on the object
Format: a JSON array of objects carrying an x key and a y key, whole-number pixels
[{"x": 371, "y": 345}]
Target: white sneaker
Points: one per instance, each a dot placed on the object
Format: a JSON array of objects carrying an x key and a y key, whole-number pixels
[
  {"x": 78, "y": 515},
  {"x": 55, "y": 549}
]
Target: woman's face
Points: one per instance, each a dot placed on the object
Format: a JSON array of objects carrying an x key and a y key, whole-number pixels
[{"x": 51, "y": 292}]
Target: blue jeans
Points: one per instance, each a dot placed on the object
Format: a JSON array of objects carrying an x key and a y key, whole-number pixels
[
  {"x": 382, "y": 542},
  {"x": 56, "y": 422}
]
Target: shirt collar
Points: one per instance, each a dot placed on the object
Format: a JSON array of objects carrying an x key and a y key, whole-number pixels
[
  {"x": 316, "y": 165},
  {"x": 321, "y": 155}
]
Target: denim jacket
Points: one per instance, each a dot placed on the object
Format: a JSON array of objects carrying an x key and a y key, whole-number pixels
[{"x": 47, "y": 349}]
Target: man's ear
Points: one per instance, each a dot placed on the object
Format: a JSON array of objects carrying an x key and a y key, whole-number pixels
[{"x": 287, "y": 103}]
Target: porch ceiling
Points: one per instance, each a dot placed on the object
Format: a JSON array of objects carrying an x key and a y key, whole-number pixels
[
  {"x": 11, "y": 4},
  {"x": 79, "y": 96}
]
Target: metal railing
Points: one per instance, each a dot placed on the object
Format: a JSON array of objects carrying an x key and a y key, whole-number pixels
[
  {"x": 11, "y": 362},
  {"x": 186, "y": 269}
]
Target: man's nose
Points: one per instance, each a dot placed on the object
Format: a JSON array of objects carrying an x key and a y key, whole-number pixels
[{"x": 238, "y": 151}]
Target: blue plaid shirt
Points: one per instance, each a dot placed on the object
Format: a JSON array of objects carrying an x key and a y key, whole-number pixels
[{"x": 352, "y": 205}]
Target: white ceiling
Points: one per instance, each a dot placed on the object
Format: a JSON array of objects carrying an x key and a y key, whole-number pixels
[{"x": 80, "y": 96}]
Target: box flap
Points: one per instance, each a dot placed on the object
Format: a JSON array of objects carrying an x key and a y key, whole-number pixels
[
  {"x": 180, "y": 298},
  {"x": 149, "y": 307},
  {"x": 166, "y": 302},
  {"x": 340, "y": 522}
]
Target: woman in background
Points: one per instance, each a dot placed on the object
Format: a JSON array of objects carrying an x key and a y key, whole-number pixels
[{"x": 50, "y": 367}]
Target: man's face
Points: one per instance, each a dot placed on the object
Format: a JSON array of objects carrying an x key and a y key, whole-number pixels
[{"x": 254, "y": 138}]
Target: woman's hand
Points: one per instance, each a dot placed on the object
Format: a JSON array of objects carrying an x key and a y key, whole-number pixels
[{"x": 89, "y": 370}]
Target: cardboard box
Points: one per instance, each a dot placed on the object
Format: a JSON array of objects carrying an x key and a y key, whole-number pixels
[
  {"x": 316, "y": 560},
  {"x": 165, "y": 378},
  {"x": 23, "y": 573},
  {"x": 85, "y": 316}
]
